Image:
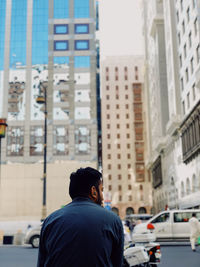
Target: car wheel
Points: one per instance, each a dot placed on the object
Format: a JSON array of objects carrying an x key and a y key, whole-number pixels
[{"x": 34, "y": 241}]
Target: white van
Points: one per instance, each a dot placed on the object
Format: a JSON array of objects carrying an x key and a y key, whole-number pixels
[{"x": 170, "y": 224}]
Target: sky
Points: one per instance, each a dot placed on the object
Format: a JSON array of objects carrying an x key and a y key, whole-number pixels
[{"x": 121, "y": 27}]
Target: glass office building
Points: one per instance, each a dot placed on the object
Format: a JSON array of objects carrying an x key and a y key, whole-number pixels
[{"x": 49, "y": 45}]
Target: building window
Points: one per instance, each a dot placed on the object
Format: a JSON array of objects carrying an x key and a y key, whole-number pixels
[
  {"x": 108, "y": 116},
  {"x": 81, "y": 45},
  {"x": 195, "y": 27},
  {"x": 108, "y": 146},
  {"x": 129, "y": 176},
  {"x": 188, "y": 100},
  {"x": 109, "y": 156},
  {"x": 185, "y": 51},
  {"x": 186, "y": 75},
  {"x": 180, "y": 60},
  {"x": 108, "y": 136},
  {"x": 118, "y": 136},
  {"x": 181, "y": 5},
  {"x": 129, "y": 166},
  {"x": 194, "y": 92},
  {"x": 118, "y": 166},
  {"x": 127, "y": 126},
  {"x": 129, "y": 187},
  {"x": 119, "y": 187},
  {"x": 107, "y": 87},
  {"x": 126, "y": 96},
  {"x": 60, "y": 29},
  {"x": 179, "y": 38},
  {"x": 81, "y": 28},
  {"x": 127, "y": 135},
  {"x": 183, "y": 26},
  {"x": 183, "y": 107},
  {"x": 127, "y": 116},
  {"x": 109, "y": 177},
  {"x": 177, "y": 16},
  {"x": 192, "y": 65},
  {"x": 110, "y": 187},
  {"x": 117, "y": 116},
  {"x": 129, "y": 198},
  {"x": 109, "y": 166},
  {"x": 127, "y": 106},
  {"x": 182, "y": 84},
  {"x": 126, "y": 87},
  {"x": 128, "y": 145},
  {"x": 118, "y": 126},
  {"x": 118, "y": 156},
  {"x": 107, "y": 97},
  {"x": 107, "y": 106},
  {"x": 61, "y": 45},
  {"x": 117, "y": 106},
  {"x": 118, "y": 146},
  {"x": 188, "y": 14},
  {"x": 120, "y": 198},
  {"x": 119, "y": 177},
  {"x": 108, "y": 126},
  {"x": 198, "y": 53},
  {"x": 128, "y": 156},
  {"x": 190, "y": 39},
  {"x": 117, "y": 96}
]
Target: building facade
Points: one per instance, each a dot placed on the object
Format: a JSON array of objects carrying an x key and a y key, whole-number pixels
[
  {"x": 172, "y": 39},
  {"x": 47, "y": 46},
  {"x": 126, "y": 181}
]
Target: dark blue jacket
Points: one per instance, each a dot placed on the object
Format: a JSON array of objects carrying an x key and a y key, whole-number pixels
[{"x": 82, "y": 234}]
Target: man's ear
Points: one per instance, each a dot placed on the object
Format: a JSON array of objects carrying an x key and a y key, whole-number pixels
[{"x": 93, "y": 193}]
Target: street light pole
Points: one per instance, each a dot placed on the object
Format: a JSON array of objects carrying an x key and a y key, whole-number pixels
[
  {"x": 3, "y": 126},
  {"x": 43, "y": 100}
]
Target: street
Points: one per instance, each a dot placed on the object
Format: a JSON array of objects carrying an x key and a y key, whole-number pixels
[{"x": 172, "y": 256}]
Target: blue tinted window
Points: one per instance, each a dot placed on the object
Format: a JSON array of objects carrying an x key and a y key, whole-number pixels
[
  {"x": 61, "y": 9},
  {"x": 61, "y": 29},
  {"x": 81, "y": 28},
  {"x": 40, "y": 32},
  {"x": 81, "y": 8},
  {"x": 61, "y": 60},
  {"x": 82, "y": 45},
  {"x": 60, "y": 45},
  {"x": 2, "y": 31},
  {"x": 18, "y": 33},
  {"x": 81, "y": 61}
]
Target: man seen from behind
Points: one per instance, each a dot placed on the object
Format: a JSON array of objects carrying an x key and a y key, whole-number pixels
[{"x": 83, "y": 233}]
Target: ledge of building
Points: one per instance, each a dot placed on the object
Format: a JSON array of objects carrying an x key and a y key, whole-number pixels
[{"x": 157, "y": 19}]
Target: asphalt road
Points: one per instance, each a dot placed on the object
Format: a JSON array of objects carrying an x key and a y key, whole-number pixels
[{"x": 172, "y": 256}]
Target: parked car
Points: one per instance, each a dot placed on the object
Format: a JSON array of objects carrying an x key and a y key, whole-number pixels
[
  {"x": 32, "y": 236},
  {"x": 170, "y": 224}
]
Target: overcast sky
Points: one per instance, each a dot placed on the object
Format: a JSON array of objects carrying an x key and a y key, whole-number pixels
[{"x": 121, "y": 27}]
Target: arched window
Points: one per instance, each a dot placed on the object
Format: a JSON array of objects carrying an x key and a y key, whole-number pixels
[
  {"x": 115, "y": 210},
  {"x": 182, "y": 189},
  {"x": 142, "y": 210},
  {"x": 188, "y": 189},
  {"x": 129, "y": 211},
  {"x": 194, "y": 183}
]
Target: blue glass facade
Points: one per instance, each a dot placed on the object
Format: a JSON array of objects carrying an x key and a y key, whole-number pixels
[
  {"x": 40, "y": 32},
  {"x": 81, "y": 45},
  {"x": 61, "y": 60},
  {"x": 60, "y": 29},
  {"x": 81, "y": 28},
  {"x": 2, "y": 31},
  {"x": 81, "y": 8},
  {"x": 60, "y": 45},
  {"x": 18, "y": 33},
  {"x": 82, "y": 61},
  {"x": 61, "y": 9}
]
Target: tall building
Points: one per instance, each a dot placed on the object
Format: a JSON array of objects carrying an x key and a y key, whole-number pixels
[
  {"x": 47, "y": 46},
  {"x": 126, "y": 181},
  {"x": 172, "y": 41}
]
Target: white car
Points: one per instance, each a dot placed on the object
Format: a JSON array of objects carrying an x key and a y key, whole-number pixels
[
  {"x": 169, "y": 224},
  {"x": 32, "y": 236}
]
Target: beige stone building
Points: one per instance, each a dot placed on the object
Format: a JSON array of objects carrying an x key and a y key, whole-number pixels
[{"x": 126, "y": 181}]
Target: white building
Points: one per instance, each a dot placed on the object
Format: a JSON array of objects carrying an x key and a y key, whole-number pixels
[{"x": 172, "y": 42}]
